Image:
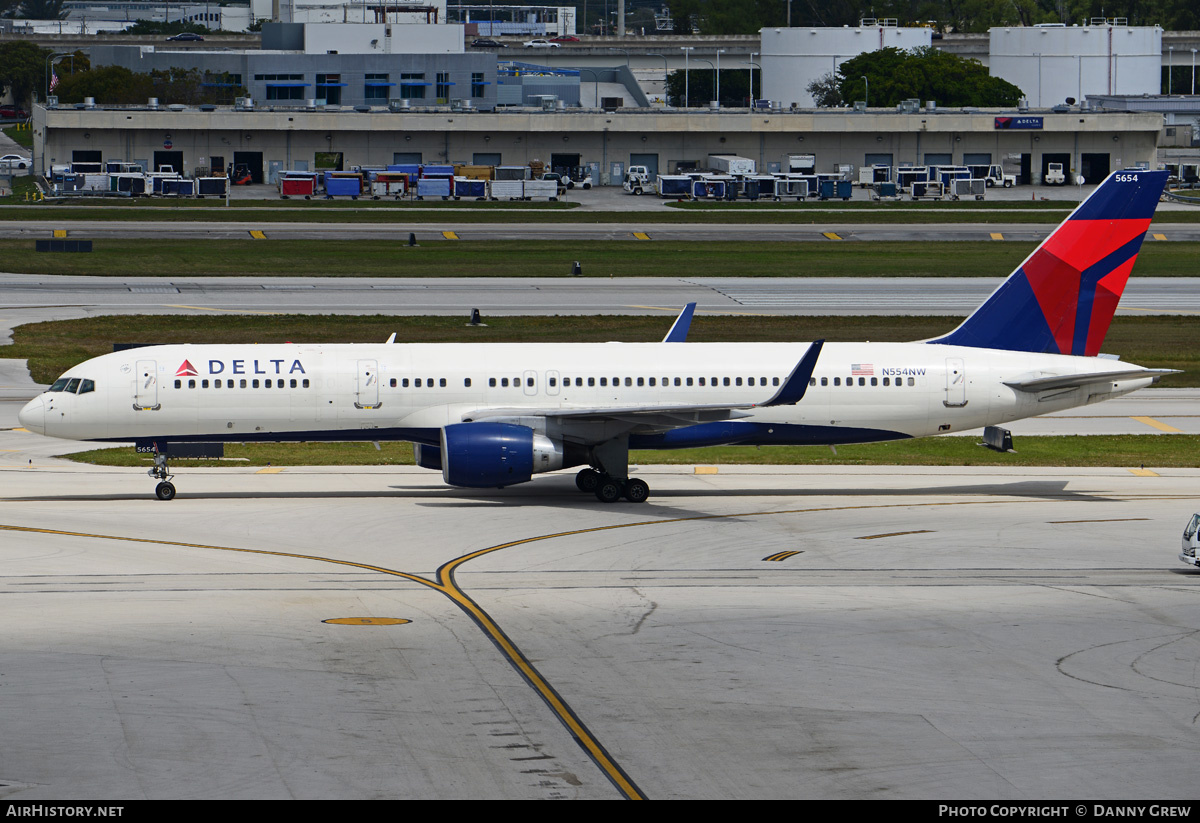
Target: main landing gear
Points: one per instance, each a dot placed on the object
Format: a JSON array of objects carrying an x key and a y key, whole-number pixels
[
  {"x": 165, "y": 490},
  {"x": 610, "y": 489}
]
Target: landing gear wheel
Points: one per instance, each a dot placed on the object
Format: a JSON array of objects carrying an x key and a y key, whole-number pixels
[
  {"x": 609, "y": 490},
  {"x": 636, "y": 491},
  {"x": 165, "y": 491},
  {"x": 587, "y": 480}
]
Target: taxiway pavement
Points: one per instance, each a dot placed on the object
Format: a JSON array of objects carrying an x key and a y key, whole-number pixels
[{"x": 761, "y": 632}]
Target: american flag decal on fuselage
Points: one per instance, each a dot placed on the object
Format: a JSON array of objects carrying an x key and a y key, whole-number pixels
[{"x": 862, "y": 369}]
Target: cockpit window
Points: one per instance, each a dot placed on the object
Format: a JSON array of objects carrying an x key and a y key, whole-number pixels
[
  {"x": 86, "y": 386},
  {"x": 73, "y": 385},
  {"x": 59, "y": 384}
]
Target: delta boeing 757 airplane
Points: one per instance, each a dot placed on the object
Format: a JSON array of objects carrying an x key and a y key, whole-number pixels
[{"x": 492, "y": 415}]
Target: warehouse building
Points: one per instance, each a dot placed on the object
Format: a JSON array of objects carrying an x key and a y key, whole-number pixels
[{"x": 193, "y": 140}]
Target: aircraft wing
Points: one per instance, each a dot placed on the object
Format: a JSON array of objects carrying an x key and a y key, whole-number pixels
[
  {"x": 1034, "y": 383},
  {"x": 660, "y": 417}
]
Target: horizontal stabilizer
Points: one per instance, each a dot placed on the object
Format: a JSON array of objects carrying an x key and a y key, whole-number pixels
[{"x": 1071, "y": 381}]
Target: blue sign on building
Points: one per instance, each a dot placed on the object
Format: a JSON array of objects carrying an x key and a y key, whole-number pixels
[{"x": 1018, "y": 122}]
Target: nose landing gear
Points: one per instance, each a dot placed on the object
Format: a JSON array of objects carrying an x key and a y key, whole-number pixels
[{"x": 165, "y": 490}]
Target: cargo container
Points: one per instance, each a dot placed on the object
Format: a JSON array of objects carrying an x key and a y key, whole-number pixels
[
  {"x": 540, "y": 188},
  {"x": 829, "y": 189},
  {"x": 677, "y": 186},
  {"x": 435, "y": 187},
  {"x": 179, "y": 187},
  {"x": 870, "y": 175},
  {"x": 931, "y": 189},
  {"x": 791, "y": 185},
  {"x": 389, "y": 184},
  {"x": 511, "y": 173},
  {"x": 297, "y": 184},
  {"x": 905, "y": 177},
  {"x": 968, "y": 188},
  {"x": 343, "y": 184},
  {"x": 133, "y": 184},
  {"x": 470, "y": 187},
  {"x": 507, "y": 189},
  {"x": 212, "y": 186},
  {"x": 731, "y": 164},
  {"x": 474, "y": 172}
]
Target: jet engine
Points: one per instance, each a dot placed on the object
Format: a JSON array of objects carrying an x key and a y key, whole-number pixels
[{"x": 483, "y": 455}]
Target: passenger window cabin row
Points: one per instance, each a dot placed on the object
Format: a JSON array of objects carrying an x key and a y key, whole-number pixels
[
  {"x": 653, "y": 382},
  {"x": 81, "y": 386},
  {"x": 243, "y": 383}
]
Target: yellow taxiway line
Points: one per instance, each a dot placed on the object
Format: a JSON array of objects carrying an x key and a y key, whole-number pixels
[{"x": 1155, "y": 424}]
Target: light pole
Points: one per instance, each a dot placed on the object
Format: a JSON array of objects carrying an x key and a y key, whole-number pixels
[
  {"x": 866, "y": 91},
  {"x": 596, "y": 77},
  {"x": 789, "y": 20},
  {"x": 1170, "y": 65},
  {"x": 687, "y": 51},
  {"x": 666, "y": 77},
  {"x": 719, "y": 51},
  {"x": 1193, "y": 71},
  {"x": 710, "y": 65},
  {"x": 753, "y": 54}
]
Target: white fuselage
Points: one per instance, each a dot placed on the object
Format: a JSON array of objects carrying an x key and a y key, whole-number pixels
[{"x": 859, "y": 391}]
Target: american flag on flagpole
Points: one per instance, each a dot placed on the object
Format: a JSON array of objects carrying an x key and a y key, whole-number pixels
[{"x": 53, "y": 80}]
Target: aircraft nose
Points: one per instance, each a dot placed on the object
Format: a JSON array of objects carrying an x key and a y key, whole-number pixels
[{"x": 33, "y": 415}]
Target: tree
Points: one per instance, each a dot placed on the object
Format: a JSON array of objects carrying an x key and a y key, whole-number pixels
[
  {"x": 925, "y": 74},
  {"x": 735, "y": 87},
  {"x": 41, "y": 10},
  {"x": 825, "y": 91},
  {"x": 22, "y": 69}
]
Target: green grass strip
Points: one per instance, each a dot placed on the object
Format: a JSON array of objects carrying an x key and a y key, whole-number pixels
[{"x": 538, "y": 258}]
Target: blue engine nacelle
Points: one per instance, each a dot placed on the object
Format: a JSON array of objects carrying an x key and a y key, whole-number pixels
[
  {"x": 427, "y": 457},
  {"x": 485, "y": 455}
]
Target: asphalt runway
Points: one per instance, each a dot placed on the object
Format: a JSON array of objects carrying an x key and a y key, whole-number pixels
[
  {"x": 757, "y": 633},
  {"x": 818, "y": 231}
]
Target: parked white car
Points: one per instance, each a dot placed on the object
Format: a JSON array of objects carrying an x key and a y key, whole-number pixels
[
  {"x": 15, "y": 161},
  {"x": 540, "y": 43}
]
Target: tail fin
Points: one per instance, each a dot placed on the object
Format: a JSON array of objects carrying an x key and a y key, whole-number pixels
[{"x": 1061, "y": 300}]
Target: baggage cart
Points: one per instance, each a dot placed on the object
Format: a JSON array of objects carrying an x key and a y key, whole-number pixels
[
  {"x": 297, "y": 184},
  {"x": 434, "y": 187},
  {"x": 389, "y": 184},
  {"x": 470, "y": 187},
  {"x": 540, "y": 188}
]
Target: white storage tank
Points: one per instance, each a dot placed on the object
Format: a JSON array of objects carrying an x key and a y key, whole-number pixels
[
  {"x": 793, "y": 58},
  {"x": 1051, "y": 63}
]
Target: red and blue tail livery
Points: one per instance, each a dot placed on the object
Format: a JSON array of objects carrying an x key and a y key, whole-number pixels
[{"x": 1061, "y": 300}]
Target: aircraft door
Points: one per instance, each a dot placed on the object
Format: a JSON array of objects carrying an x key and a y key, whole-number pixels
[
  {"x": 956, "y": 382},
  {"x": 530, "y": 383},
  {"x": 552, "y": 381},
  {"x": 145, "y": 392},
  {"x": 368, "y": 385}
]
